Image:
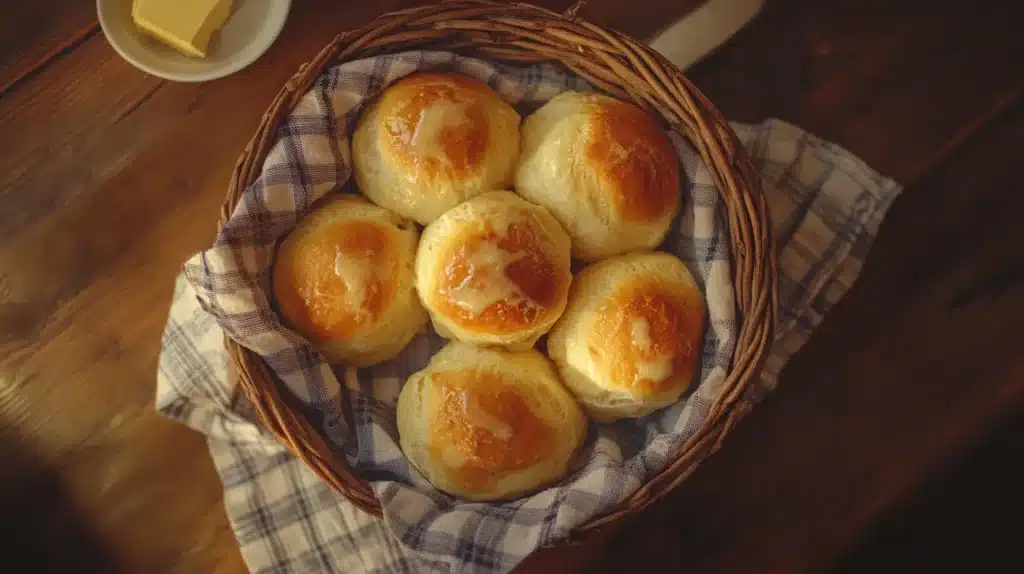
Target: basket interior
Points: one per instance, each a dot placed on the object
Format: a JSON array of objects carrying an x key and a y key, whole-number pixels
[{"x": 611, "y": 63}]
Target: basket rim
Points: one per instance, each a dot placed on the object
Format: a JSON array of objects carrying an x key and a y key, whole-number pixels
[{"x": 614, "y": 63}]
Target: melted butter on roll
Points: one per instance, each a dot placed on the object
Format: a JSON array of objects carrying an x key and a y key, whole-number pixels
[
  {"x": 494, "y": 270},
  {"x": 483, "y": 428},
  {"x": 606, "y": 171},
  {"x": 432, "y": 141},
  {"x": 484, "y": 423},
  {"x": 474, "y": 286},
  {"x": 357, "y": 271},
  {"x": 343, "y": 279},
  {"x": 628, "y": 341}
]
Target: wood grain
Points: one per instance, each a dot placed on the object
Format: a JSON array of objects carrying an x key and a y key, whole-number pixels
[
  {"x": 34, "y": 33},
  {"x": 966, "y": 503},
  {"x": 112, "y": 178}
]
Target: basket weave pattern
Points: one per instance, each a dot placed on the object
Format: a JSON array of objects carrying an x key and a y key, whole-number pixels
[{"x": 613, "y": 63}]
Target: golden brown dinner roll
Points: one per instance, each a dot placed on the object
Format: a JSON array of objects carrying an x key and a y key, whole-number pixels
[
  {"x": 432, "y": 141},
  {"x": 630, "y": 339},
  {"x": 485, "y": 423},
  {"x": 494, "y": 271},
  {"x": 343, "y": 278},
  {"x": 604, "y": 169}
]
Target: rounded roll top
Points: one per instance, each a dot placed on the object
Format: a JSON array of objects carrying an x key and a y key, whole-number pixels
[
  {"x": 486, "y": 424},
  {"x": 494, "y": 270},
  {"x": 432, "y": 141},
  {"x": 631, "y": 336},
  {"x": 343, "y": 279},
  {"x": 604, "y": 169}
]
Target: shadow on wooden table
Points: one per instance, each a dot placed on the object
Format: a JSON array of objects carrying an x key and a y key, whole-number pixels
[
  {"x": 966, "y": 519},
  {"x": 40, "y": 527}
]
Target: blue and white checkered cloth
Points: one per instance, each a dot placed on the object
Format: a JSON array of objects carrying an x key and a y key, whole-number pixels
[{"x": 826, "y": 207}]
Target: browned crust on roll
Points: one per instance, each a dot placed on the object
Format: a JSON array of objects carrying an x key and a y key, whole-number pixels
[
  {"x": 460, "y": 148},
  {"x": 471, "y": 403},
  {"x": 629, "y": 151},
  {"x": 532, "y": 272},
  {"x": 672, "y": 320},
  {"x": 311, "y": 295}
]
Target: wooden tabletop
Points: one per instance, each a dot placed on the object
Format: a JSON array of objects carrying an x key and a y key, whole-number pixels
[{"x": 110, "y": 178}]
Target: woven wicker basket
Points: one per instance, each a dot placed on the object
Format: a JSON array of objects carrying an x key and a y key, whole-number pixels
[{"x": 612, "y": 62}]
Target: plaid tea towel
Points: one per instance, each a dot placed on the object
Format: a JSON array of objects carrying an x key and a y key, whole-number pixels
[{"x": 826, "y": 207}]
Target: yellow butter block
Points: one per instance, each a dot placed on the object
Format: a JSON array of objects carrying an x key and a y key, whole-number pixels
[{"x": 185, "y": 25}]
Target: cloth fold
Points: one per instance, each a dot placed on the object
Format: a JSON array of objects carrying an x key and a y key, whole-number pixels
[{"x": 826, "y": 207}]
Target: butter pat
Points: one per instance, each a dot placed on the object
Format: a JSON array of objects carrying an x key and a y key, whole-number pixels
[{"x": 185, "y": 25}]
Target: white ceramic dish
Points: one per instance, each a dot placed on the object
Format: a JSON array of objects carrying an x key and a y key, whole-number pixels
[{"x": 251, "y": 29}]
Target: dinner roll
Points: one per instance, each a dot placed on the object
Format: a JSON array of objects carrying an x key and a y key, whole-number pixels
[
  {"x": 343, "y": 278},
  {"x": 432, "y": 141},
  {"x": 485, "y": 423},
  {"x": 630, "y": 339},
  {"x": 494, "y": 271},
  {"x": 604, "y": 169}
]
